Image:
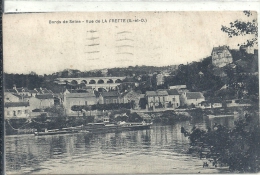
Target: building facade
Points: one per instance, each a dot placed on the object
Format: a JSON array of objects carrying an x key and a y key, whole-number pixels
[
  {"x": 173, "y": 98},
  {"x": 16, "y": 110},
  {"x": 131, "y": 97},
  {"x": 42, "y": 101},
  {"x": 191, "y": 98},
  {"x": 78, "y": 99},
  {"x": 156, "y": 99},
  {"x": 109, "y": 97},
  {"x": 221, "y": 56}
]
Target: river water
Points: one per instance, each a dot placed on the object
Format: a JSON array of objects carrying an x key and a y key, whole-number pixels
[{"x": 161, "y": 149}]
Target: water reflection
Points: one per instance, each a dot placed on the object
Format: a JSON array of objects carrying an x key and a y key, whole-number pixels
[{"x": 161, "y": 149}]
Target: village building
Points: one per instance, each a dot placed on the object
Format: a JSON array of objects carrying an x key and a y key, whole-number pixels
[
  {"x": 130, "y": 97},
  {"x": 9, "y": 97},
  {"x": 212, "y": 103},
  {"x": 180, "y": 88},
  {"x": 41, "y": 101},
  {"x": 43, "y": 91},
  {"x": 191, "y": 98},
  {"x": 33, "y": 93},
  {"x": 156, "y": 99},
  {"x": 16, "y": 110},
  {"x": 78, "y": 99},
  {"x": 109, "y": 97},
  {"x": 159, "y": 79},
  {"x": 173, "y": 98},
  {"x": 238, "y": 102},
  {"x": 221, "y": 56},
  {"x": 23, "y": 92}
]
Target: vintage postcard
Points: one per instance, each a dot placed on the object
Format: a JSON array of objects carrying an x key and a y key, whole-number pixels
[{"x": 131, "y": 92}]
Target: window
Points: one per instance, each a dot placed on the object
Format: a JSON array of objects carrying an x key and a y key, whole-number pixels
[
  {"x": 26, "y": 111},
  {"x": 8, "y": 112},
  {"x": 19, "y": 112},
  {"x": 173, "y": 99},
  {"x": 86, "y": 103},
  {"x": 107, "y": 101},
  {"x": 114, "y": 100}
]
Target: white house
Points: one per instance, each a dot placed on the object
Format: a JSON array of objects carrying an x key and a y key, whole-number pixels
[
  {"x": 41, "y": 101},
  {"x": 191, "y": 98},
  {"x": 173, "y": 98},
  {"x": 16, "y": 110}
]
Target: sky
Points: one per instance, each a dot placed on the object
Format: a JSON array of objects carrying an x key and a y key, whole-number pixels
[{"x": 32, "y": 43}]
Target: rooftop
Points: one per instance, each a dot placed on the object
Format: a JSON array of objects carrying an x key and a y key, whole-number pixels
[
  {"x": 16, "y": 104},
  {"x": 156, "y": 93},
  {"x": 44, "y": 96},
  {"x": 194, "y": 95},
  {"x": 173, "y": 92},
  {"x": 220, "y": 48},
  {"x": 80, "y": 95},
  {"x": 110, "y": 94}
]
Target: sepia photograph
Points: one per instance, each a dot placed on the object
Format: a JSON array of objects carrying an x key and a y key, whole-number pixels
[{"x": 141, "y": 92}]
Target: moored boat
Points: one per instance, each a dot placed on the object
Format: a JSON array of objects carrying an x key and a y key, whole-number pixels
[
  {"x": 219, "y": 116},
  {"x": 54, "y": 132}
]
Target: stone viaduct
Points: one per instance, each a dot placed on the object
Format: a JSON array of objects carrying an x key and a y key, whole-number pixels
[{"x": 94, "y": 82}]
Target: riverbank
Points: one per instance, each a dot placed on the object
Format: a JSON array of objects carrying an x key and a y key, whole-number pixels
[{"x": 237, "y": 148}]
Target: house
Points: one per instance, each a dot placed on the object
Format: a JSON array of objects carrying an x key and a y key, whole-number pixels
[
  {"x": 205, "y": 105},
  {"x": 33, "y": 93},
  {"x": 78, "y": 99},
  {"x": 216, "y": 103},
  {"x": 109, "y": 97},
  {"x": 41, "y": 101},
  {"x": 156, "y": 99},
  {"x": 191, "y": 98},
  {"x": 43, "y": 91},
  {"x": 23, "y": 92},
  {"x": 17, "y": 109},
  {"x": 212, "y": 103},
  {"x": 238, "y": 102},
  {"x": 9, "y": 97},
  {"x": 221, "y": 56},
  {"x": 160, "y": 79},
  {"x": 180, "y": 88},
  {"x": 173, "y": 98},
  {"x": 130, "y": 97}
]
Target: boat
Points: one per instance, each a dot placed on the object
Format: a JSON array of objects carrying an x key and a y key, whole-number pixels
[
  {"x": 54, "y": 132},
  {"x": 68, "y": 130},
  {"x": 135, "y": 126},
  {"x": 219, "y": 116},
  {"x": 115, "y": 127}
]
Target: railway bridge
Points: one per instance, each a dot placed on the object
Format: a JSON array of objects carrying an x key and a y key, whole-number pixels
[{"x": 94, "y": 82}]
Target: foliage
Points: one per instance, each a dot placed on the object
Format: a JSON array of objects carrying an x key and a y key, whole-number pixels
[
  {"x": 55, "y": 111},
  {"x": 30, "y": 81},
  {"x": 243, "y": 28},
  {"x": 237, "y": 147}
]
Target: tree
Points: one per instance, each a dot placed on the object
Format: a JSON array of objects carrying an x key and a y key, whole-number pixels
[{"x": 241, "y": 28}]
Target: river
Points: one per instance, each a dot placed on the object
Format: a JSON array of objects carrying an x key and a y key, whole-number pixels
[{"x": 161, "y": 149}]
